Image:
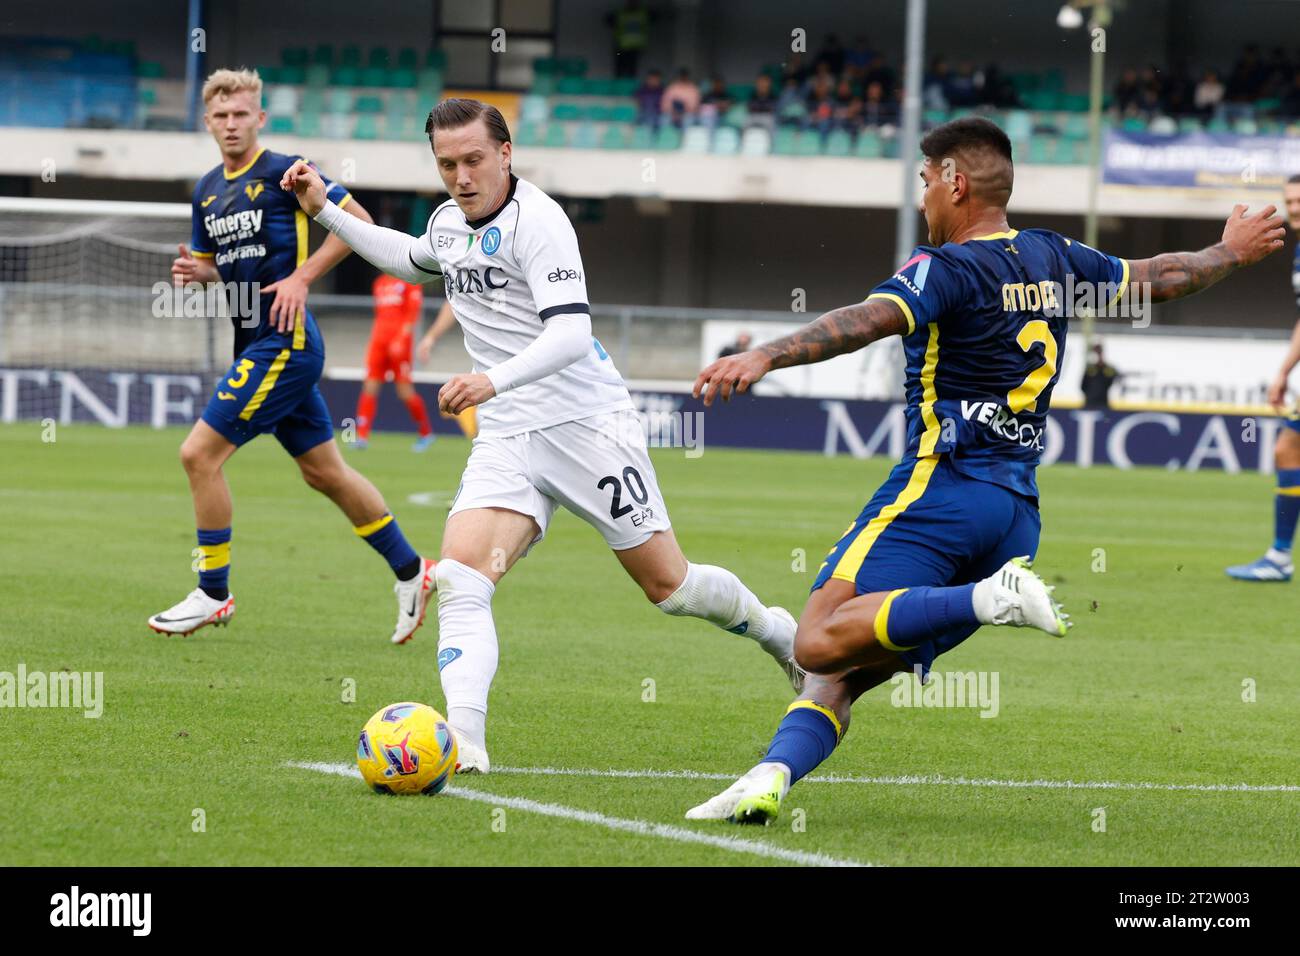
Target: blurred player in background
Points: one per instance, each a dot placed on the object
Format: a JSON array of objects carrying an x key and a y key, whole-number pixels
[
  {"x": 945, "y": 545},
  {"x": 467, "y": 418},
  {"x": 248, "y": 232},
  {"x": 398, "y": 305},
  {"x": 1276, "y": 564},
  {"x": 557, "y": 425}
]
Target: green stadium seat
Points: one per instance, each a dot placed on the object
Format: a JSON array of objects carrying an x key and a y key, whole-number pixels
[
  {"x": 283, "y": 125},
  {"x": 347, "y": 76},
  {"x": 935, "y": 117},
  {"x": 1042, "y": 149},
  {"x": 318, "y": 75},
  {"x": 147, "y": 96},
  {"x": 556, "y": 136},
  {"x": 756, "y": 141},
  {"x": 313, "y": 101},
  {"x": 1189, "y": 124},
  {"x": 308, "y": 123},
  {"x": 378, "y": 57},
  {"x": 1245, "y": 127},
  {"x": 573, "y": 66},
  {"x": 740, "y": 92},
  {"x": 369, "y": 104},
  {"x": 1218, "y": 125},
  {"x": 668, "y": 137},
  {"x": 600, "y": 113},
  {"x": 350, "y": 56},
  {"x": 566, "y": 112},
  {"x": 1076, "y": 102},
  {"x": 571, "y": 86},
  {"x": 726, "y": 141},
  {"x": 529, "y": 134},
  {"x": 695, "y": 140},
  {"x": 545, "y": 66},
  {"x": 408, "y": 59},
  {"x": 148, "y": 69},
  {"x": 870, "y": 145},
  {"x": 736, "y": 116},
  {"x": 623, "y": 113},
  {"x": 367, "y": 127},
  {"x": 642, "y": 138},
  {"x": 269, "y": 74},
  {"x": 626, "y": 85},
  {"x": 436, "y": 59},
  {"x": 1018, "y": 124},
  {"x": 1075, "y": 126},
  {"x": 338, "y": 101},
  {"x": 402, "y": 78},
  {"x": 586, "y": 137},
  {"x": 1133, "y": 124},
  {"x": 784, "y": 141},
  {"x": 616, "y": 136},
  {"x": 294, "y": 56},
  {"x": 429, "y": 81},
  {"x": 808, "y": 143},
  {"x": 544, "y": 84},
  {"x": 839, "y": 143},
  {"x": 295, "y": 75},
  {"x": 374, "y": 76},
  {"x": 532, "y": 109},
  {"x": 323, "y": 55}
]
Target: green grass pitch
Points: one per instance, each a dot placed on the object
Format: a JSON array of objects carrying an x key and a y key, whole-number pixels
[{"x": 1148, "y": 688}]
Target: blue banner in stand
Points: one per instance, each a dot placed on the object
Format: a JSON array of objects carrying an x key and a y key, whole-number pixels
[
  {"x": 1199, "y": 160},
  {"x": 1083, "y": 437}
]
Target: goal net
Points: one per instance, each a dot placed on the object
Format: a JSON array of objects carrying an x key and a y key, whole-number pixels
[{"x": 90, "y": 326}]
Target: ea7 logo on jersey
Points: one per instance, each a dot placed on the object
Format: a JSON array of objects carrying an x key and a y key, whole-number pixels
[
  {"x": 469, "y": 280},
  {"x": 563, "y": 275}
]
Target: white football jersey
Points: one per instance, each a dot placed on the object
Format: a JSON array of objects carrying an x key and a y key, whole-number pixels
[{"x": 505, "y": 275}]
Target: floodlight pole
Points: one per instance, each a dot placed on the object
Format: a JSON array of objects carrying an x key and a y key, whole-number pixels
[{"x": 910, "y": 137}]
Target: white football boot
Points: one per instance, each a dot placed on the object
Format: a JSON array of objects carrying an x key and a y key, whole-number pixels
[
  {"x": 196, "y": 611},
  {"x": 1017, "y": 596},
  {"x": 469, "y": 757},
  {"x": 754, "y": 798},
  {"x": 413, "y": 600},
  {"x": 785, "y": 622}
]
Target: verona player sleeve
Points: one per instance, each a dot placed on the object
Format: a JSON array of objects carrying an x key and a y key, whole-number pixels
[
  {"x": 396, "y": 253},
  {"x": 926, "y": 288},
  {"x": 200, "y": 243},
  {"x": 546, "y": 248},
  {"x": 1098, "y": 270}
]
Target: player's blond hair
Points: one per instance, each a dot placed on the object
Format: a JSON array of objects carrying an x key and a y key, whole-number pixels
[{"x": 228, "y": 82}]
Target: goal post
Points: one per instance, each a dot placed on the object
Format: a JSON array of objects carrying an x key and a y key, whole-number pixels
[{"x": 90, "y": 328}]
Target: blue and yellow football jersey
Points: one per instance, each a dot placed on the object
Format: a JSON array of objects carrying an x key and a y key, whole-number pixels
[
  {"x": 1295, "y": 275},
  {"x": 255, "y": 232},
  {"x": 986, "y": 334}
]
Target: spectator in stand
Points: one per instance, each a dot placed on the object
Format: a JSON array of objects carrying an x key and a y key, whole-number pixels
[
  {"x": 1277, "y": 73},
  {"x": 681, "y": 100},
  {"x": 960, "y": 89},
  {"x": 821, "y": 106},
  {"x": 858, "y": 60},
  {"x": 1291, "y": 99},
  {"x": 794, "y": 68},
  {"x": 715, "y": 102},
  {"x": 876, "y": 110},
  {"x": 821, "y": 74},
  {"x": 1244, "y": 84},
  {"x": 649, "y": 99},
  {"x": 1127, "y": 92},
  {"x": 1178, "y": 90},
  {"x": 934, "y": 95},
  {"x": 791, "y": 109},
  {"x": 878, "y": 71},
  {"x": 832, "y": 55},
  {"x": 1209, "y": 95},
  {"x": 1098, "y": 377},
  {"x": 847, "y": 108},
  {"x": 1150, "y": 100},
  {"x": 762, "y": 105},
  {"x": 631, "y": 34}
]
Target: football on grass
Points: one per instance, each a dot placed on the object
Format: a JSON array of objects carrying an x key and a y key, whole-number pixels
[{"x": 407, "y": 748}]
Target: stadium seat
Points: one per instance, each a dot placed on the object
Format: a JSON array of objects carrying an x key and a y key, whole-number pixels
[
  {"x": 350, "y": 56},
  {"x": 309, "y": 123},
  {"x": 336, "y": 125},
  {"x": 408, "y": 59},
  {"x": 740, "y": 92},
  {"x": 367, "y": 126},
  {"x": 1162, "y": 126},
  {"x": 869, "y": 145},
  {"x": 598, "y": 86},
  {"x": 755, "y": 141},
  {"x": 313, "y": 101},
  {"x": 532, "y": 109},
  {"x": 346, "y": 76},
  {"x": 530, "y": 133},
  {"x": 378, "y": 57},
  {"x": 1042, "y": 149},
  {"x": 323, "y": 55},
  {"x": 436, "y": 59},
  {"x": 783, "y": 143},
  {"x": 556, "y": 136},
  {"x": 1018, "y": 124},
  {"x": 429, "y": 81},
  {"x": 642, "y": 138},
  {"x": 570, "y": 86},
  {"x": 296, "y": 75},
  {"x": 1189, "y": 124},
  {"x": 737, "y": 116},
  {"x": 808, "y": 143},
  {"x": 1245, "y": 127},
  {"x": 369, "y": 104},
  {"x": 726, "y": 141},
  {"x": 616, "y": 136},
  {"x": 402, "y": 78},
  {"x": 668, "y": 138},
  {"x": 599, "y": 113},
  {"x": 839, "y": 143},
  {"x": 339, "y": 101},
  {"x": 625, "y": 86},
  {"x": 585, "y": 136},
  {"x": 567, "y": 112},
  {"x": 374, "y": 76},
  {"x": 695, "y": 140},
  {"x": 318, "y": 75},
  {"x": 269, "y": 74},
  {"x": 282, "y": 100},
  {"x": 623, "y": 113}
]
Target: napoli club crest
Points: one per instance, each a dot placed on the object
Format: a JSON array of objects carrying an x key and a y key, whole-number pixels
[{"x": 491, "y": 241}]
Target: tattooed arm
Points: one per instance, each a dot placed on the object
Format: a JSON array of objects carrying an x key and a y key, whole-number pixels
[
  {"x": 1246, "y": 240},
  {"x": 842, "y": 330}
]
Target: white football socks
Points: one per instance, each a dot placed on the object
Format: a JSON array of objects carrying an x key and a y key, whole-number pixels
[
  {"x": 719, "y": 597},
  {"x": 467, "y": 647}
]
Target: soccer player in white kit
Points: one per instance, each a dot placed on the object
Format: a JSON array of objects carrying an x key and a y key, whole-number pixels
[{"x": 556, "y": 426}]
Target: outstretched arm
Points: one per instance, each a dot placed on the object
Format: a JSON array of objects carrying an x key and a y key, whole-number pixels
[
  {"x": 837, "y": 332},
  {"x": 387, "y": 249},
  {"x": 1246, "y": 240}
]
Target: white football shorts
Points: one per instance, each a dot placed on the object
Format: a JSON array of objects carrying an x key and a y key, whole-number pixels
[{"x": 595, "y": 467}]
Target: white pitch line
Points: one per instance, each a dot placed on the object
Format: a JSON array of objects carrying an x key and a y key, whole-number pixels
[
  {"x": 640, "y": 827},
  {"x": 913, "y": 780}
]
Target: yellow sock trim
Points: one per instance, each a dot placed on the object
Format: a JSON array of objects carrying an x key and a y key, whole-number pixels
[
  {"x": 366, "y": 530},
  {"x": 1292, "y": 491},
  {"x": 813, "y": 705},
  {"x": 881, "y": 623},
  {"x": 214, "y": 557}
]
